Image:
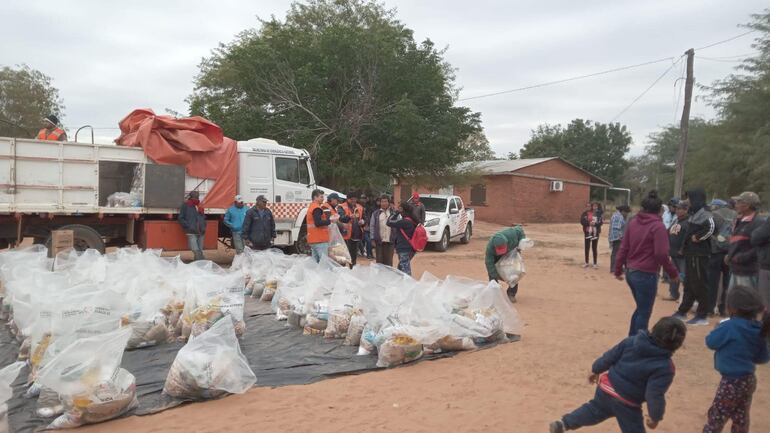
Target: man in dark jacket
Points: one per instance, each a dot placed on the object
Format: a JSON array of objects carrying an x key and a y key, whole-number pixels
[
  {"x": 741, "y": 255},
  {"x": 697, "y": 249},
  {"x": 193, "y": 222},
  {"x": 760, "y": 239},
  {"x": 259, "y": 225},
  {"x": 676, "y": 234},
  {"x": 419, "y": 208}
]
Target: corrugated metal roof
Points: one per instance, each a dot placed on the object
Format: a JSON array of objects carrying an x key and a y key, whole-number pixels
[
  {"x": 511, "y": 165},
  {"x": 503, "y": 165}
]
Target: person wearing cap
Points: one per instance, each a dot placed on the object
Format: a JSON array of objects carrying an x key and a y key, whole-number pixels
[
  {"x": 259, "y": 225},
  {"x": 718, "y": 271},
  {"x": 193, "y": 221},
  {"x": 499, "y": 245},
  {"x": 676, "y": 234},
  {"x": 50, "y": 129},
  {"x": 234, "y": 221},
  {"x": 419, "y": 208},
  {"x": 760, "y": 239},
  {"x": 741, "y": 255}
]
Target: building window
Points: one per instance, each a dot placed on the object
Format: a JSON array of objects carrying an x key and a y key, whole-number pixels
[{"x": 478, "y": 194}]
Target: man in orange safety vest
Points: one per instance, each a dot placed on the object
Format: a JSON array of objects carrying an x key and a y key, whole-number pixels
[{"x": 50, "y": 130}]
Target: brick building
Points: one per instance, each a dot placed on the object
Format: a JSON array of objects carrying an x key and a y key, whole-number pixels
[{"x": 522, "y": 191}]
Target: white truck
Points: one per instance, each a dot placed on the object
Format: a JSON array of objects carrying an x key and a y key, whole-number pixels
[
  {"x": 447, "y": 219},
  {"x": 47, "y": 185}
]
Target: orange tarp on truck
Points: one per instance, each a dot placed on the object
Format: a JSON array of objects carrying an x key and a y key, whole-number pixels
[{"x": 193, "y": 142}]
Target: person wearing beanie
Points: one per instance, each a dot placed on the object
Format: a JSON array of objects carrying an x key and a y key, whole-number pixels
[
  {"x": 234, "y": 221},
  {"x": 500, "y": 244},
  {"x": 193, "y": 221},
  {"x": 419, "y": 208}
]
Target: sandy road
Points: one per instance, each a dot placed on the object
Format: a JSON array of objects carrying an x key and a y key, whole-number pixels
[{"x": 571, "y": 314}]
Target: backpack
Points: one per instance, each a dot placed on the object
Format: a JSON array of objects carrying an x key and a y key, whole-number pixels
[{"x": 419, "y": 239}]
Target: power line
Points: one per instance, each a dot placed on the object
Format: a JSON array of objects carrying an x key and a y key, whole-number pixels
[
  {"x": 726, "y": 40},
  {"x": 646, "y": 90},
  {"x": 720, "y": 60},
  {"x": 564, "y": 80}
]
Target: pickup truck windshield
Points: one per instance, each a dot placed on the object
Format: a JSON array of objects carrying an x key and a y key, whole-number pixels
[{"x": 433, "y": 204}]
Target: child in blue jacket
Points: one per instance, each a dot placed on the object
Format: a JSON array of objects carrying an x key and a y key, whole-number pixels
[
  {"x": 739, "y": 344},
  {"x": 637, "y": 370}
]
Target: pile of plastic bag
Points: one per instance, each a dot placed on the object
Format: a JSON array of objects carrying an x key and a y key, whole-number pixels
[{"x": 384, "y": 311}]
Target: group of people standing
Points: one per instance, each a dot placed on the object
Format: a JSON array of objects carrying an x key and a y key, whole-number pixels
[
  {"x": 702, "y": 246},
  {"x": 253, "y": 226},
  {"x": 389, "y": 229}
]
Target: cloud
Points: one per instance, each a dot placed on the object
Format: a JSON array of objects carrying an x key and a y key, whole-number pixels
[{"x": 109, "y": 58}]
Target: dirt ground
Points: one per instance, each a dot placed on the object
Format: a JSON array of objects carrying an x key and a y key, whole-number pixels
[{"x": 572, "y": 316}]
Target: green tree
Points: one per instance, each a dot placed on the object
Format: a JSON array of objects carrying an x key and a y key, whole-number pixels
[
  {"x": 741, "y": 148},
  {"x": 26, "y": 96},
  {"x": 596, "y": 147},
  {"x": 347, "y": 81}
]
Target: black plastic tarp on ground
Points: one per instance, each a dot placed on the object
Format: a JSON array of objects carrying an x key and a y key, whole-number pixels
[{"x": 277, "y": 353}]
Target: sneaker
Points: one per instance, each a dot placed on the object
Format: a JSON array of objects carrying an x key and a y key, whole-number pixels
[
  {"x": 669, "y": 298},
  {"x": 585, "y": 266},
  {"x": 557, "y": 427},
  {"x": 698, "y": 321},
  {"x": 596, "y": 266},
  {"x": 680, "y": 316}
]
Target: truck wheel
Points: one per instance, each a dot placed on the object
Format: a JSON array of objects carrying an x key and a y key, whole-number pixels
[
  {"x": 443, "y": 244},
  {"x": 85, "y": 238},
  {"x": 301, "y": 246},
  {"x": 468, "y": 233}
]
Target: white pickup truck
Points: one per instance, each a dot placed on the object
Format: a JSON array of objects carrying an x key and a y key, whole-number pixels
[{"x": 447, "y": 219}]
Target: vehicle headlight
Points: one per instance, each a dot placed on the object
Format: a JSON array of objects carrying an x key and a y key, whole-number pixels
[{"x": 431, "y": 222}]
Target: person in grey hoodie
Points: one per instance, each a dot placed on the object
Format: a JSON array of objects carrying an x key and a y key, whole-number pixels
[{"x": 697, "y": 250}]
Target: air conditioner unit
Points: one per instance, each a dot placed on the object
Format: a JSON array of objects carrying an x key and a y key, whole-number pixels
[{"x": 557, "y": 186}]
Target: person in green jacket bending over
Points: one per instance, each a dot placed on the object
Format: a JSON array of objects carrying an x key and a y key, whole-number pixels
[{"x": 499, "y": 245}]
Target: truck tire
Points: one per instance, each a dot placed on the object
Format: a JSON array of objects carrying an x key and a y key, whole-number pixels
[
  {"x": 468, "y": 233},
  {"x": 85, "y": 238},
  {"x": 443, "y": 243},
  {"x": 300, "y": 245}
]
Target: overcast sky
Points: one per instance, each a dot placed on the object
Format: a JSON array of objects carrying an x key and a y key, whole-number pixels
[{"x": 107, "y": 57}]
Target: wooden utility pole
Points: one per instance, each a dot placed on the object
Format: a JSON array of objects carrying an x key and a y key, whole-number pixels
[{"x": 684, "y": 125}]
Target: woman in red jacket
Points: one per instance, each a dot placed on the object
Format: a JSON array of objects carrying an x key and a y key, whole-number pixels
[{"x": 643, "y": 251}]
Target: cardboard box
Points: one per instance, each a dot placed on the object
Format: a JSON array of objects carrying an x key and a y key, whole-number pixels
[{"x": 62, "y": 240}]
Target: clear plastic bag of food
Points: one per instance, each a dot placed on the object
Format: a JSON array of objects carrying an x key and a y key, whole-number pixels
[
  {"x": 398, "y": 348},
  {"x": 338, "y": 249},
  {"x": 210, "y": 298},
  {"x": 356, "y": 328},
  {"x": 511, "y": 267},
  {"x": 209, "y": 366},
  {"x": 7, "y": 375},
  {"x": 87, "y": 377}
]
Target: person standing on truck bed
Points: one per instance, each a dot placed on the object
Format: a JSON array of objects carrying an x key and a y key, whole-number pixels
[
  {"x": 259, "y": 225},
  {"x": 234, "y": 221},
  {"x": 319, "y": 216},
  {"x": 500, "y": 244},
  {"x": 50, "y": 129},
  {"x": 193, "y": 222}
]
